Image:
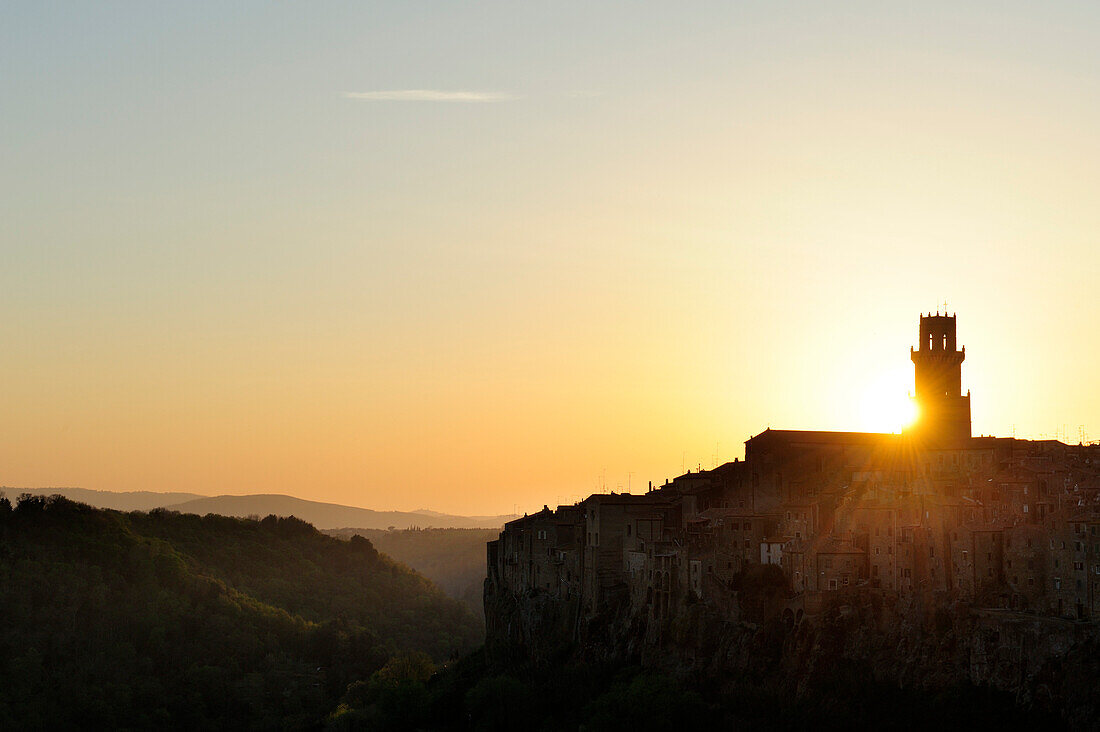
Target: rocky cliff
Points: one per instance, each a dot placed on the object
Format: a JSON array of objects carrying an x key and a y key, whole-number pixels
[{"x": 849, "y": 642}]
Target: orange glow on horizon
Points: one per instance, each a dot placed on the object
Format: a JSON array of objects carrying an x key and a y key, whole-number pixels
[{"x": 610, "y": 261}]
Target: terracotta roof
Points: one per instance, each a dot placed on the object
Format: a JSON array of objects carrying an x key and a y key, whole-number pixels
[{"x": 824, "y": 437}]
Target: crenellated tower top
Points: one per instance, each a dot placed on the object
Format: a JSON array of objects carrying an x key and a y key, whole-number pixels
[{"x": 937, "y": 363}]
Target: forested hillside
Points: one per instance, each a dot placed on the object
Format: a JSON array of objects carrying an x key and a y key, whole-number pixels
[
  {"x": 117, "y": 500},
  {"x": 454, "y": 559},
  {"x": 328, "y": 515},
  {"x": 114, "y": 620}
]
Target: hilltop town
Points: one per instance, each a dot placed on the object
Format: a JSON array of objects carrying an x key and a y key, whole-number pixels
[{"x": 929, "y": 520}]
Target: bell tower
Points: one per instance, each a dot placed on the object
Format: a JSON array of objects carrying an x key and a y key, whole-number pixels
[{"x": 944, "y": 411}]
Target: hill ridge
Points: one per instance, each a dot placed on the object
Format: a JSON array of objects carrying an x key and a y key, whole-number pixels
[{"x": 322, "y": 514}]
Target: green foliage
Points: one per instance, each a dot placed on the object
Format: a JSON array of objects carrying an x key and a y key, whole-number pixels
[
  {"x": 647, "y": 701},
  {"x": 496, "y": 702},
  {"x": 394, "y": 698},
  {"x": 162, "y": 620},
  {"x": 454, "y": 559},
  {"x": 474, "y": 695}
]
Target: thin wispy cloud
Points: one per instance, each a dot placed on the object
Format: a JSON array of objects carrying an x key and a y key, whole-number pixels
[{"x": 428, "y": 95}]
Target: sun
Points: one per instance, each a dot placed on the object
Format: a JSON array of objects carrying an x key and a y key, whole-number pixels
[{"x": 885, "y": 405}]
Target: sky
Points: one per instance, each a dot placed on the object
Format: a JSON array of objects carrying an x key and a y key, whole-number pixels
[{"x": 481, "y": 257}]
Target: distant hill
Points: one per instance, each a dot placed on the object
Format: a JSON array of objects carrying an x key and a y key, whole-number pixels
[
  {"x": 454, "y": 559},
  {"x": 330, "y": 515},
  {"x": 321, "y": 515},
  {"x": 484, "y": 519},
  {"x": 166, "y": 621},
  {"x": 119, "y": 501}
]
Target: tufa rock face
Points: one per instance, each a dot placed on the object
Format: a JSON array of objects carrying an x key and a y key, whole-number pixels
[{"x": 1045, "y": 663}]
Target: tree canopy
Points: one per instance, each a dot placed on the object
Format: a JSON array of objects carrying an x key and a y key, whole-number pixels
[{"x": 116, "y": 620}]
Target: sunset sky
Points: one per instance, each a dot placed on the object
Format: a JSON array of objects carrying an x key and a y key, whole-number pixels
[{"x": 477, "y": 256}]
